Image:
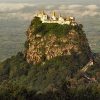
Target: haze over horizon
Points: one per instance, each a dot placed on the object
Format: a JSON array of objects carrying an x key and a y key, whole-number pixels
[
  {"x": 15, "y": 16},
  {"x": 54, "y": 1}
]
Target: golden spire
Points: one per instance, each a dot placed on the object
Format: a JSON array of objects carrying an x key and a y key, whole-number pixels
[
  {"x": 53, "y": 13},
  {"x": 42, "y": 12},
  {"x": 59, "y": 14}
]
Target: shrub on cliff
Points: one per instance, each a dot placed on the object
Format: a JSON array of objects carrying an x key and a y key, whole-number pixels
[
  {"x": 13, "y": 67},
  {"x": 55, "y": 28}
]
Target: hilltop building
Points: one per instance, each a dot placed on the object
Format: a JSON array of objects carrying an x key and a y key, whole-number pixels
[{"x": 45, "y": 18}]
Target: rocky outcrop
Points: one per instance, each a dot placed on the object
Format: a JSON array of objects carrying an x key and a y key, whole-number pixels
[{"x": 40, "y": 48}]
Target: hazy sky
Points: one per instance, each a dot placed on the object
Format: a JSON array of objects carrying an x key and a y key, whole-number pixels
[
  {"x": 56, "y": 1},
  {"x": 24, "y": 9}
]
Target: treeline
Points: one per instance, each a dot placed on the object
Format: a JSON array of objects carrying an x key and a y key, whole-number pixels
[
  {"x": 54, "y": 80},
  {"x": 9, "y": 91}
]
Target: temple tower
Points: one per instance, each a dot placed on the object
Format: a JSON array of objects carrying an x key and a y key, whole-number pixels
[{"x": 54, "y": 16}]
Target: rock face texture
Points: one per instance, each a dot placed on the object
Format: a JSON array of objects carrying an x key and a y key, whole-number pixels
[{"x": 40, "y": 48}]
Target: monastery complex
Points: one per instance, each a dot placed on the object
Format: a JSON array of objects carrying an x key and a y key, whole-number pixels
[{"x": 45, "y": 18}]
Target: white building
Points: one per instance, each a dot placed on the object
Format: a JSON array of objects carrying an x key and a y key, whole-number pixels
[
  {"x": 54, "y": 19},
  {"x": 43, "y": 16}
]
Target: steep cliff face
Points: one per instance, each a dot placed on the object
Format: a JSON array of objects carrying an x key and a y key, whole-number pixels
[{"x": 41, "y": 47}]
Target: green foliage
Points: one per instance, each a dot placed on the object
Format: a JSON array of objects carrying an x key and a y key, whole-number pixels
[
  {"x": 9, "y": 91},
  {"x": 36, "y": 21},
  {"x": 50, "y": 72},
  {"x": 26, "y": 45},
  {"x": 52, "y": 80},
  {"x": 55, "y": 28},
  {"x": 14, "y": 67}
]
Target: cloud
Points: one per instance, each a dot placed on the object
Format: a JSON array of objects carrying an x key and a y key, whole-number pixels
[
  {"x": 75, "y": 6},
  {"x": 63, "y": 7},
  {"x": 91, "y": 10},
  {"x": 92, "y": 7},
  {"x": 12, "y": 7},
  {"x": 89, "y": 13},
  {"x": 24, "y": 16},
  {"x": 49, "y": 7},
  {"x": 17, "y": 16},
  {"x": 80, "y": 10},
  {"x": 25, "y": 11}
]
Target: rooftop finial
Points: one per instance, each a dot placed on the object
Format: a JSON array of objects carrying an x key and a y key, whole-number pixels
[
  {"x": 42, "y": 12},
  {"x": 54, "y": 13},
  {"x": 59, "y": 14}
]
